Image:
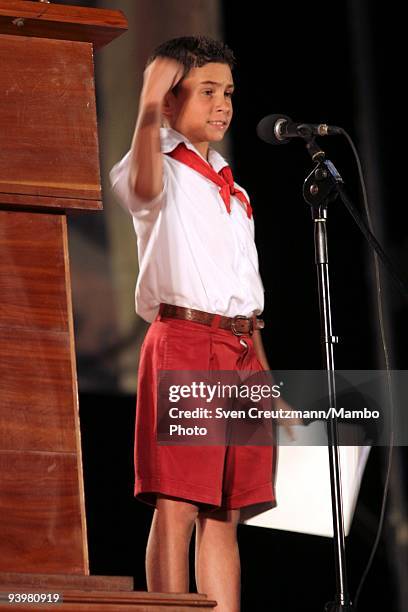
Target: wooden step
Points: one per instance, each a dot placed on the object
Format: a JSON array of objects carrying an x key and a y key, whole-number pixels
[
  {"x": 54, "y": 582},
  {"x": 119, "y": 601},
  {"x": 76, "y": 600}
]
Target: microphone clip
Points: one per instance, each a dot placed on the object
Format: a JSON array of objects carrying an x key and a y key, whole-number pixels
[{"x": 321, "y": 185}]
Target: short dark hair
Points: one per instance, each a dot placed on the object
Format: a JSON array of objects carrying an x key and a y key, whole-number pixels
[{"x": 194, "y": 52}]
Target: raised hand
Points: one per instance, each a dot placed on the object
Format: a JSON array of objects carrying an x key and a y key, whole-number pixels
[{"x": 160, "y": 77}]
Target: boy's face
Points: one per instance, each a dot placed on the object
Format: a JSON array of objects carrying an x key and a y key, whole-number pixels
[{"x": 202, "y": 108}]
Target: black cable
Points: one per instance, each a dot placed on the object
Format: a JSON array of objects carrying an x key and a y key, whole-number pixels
[{"x": 387, "y": 366}]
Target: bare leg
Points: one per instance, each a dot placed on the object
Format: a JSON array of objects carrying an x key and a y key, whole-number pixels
[
  {"x": 167, "y": 561},
  {"x": 218, "y": 572}
]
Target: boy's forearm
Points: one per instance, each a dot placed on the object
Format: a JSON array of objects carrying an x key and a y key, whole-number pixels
[
  {"x": 259, "y": 349},
  {"x": 146, "y": 173},
  {"x": 146, "y": 165}
]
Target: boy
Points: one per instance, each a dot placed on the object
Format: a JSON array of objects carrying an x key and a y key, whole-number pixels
[{"x": 200, "y": 288}]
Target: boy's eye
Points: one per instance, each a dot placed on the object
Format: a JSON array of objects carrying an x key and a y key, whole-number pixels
[
  {"x": 208, "y": 92},
  {"x": 229, "y": 94}
]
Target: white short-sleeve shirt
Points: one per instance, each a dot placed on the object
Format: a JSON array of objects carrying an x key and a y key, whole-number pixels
[{"x": 191, "y": 251}]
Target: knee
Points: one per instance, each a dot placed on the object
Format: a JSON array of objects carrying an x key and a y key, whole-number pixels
[
  {"x": 221, "y": 516},
  {"x": 222, "y": 523},
  {"x": 174, "y": 512}
]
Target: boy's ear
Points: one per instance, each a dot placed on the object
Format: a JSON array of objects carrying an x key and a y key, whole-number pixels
[{"x": 167, "y": 106}]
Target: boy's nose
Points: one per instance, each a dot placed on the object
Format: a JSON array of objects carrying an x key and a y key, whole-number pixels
[
  {"x": 222, "y": 104},
  {"x": 223, "y": 107}
]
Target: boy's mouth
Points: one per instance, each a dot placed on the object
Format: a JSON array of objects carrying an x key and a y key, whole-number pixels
[{"x": 220, "y": 124}]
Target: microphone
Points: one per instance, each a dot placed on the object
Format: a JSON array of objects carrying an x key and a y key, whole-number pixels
[{"x": 279, "y": 129}]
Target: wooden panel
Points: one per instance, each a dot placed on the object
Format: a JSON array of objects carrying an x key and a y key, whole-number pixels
[
  {"x": 55, "y": 582},
  {"x": 97, "y": 26},
  {"x": 48, "y": 127},
  {"x": 32, "y": 272},
  {"x": 40, "y": 514},
  {"x": 37, "y": 400},
  {"x": 38, "y": 392}
]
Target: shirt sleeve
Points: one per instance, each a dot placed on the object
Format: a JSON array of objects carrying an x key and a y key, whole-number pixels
[{"x": 119, "y": 178}]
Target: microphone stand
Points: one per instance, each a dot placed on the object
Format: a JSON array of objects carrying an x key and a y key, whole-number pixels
[{"x": 319, "y": 189}]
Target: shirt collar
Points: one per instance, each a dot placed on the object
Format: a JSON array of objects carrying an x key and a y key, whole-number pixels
[{"x": 170, "y": 139}]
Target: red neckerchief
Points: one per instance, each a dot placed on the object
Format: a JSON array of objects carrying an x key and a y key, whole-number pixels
[{"x": 223, "y": 178}]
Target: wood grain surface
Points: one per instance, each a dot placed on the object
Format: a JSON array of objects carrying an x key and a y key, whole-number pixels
[
  {"x": 56, "y": 21},
  {"x": 42, "y": 511},
  {"x": 48, "y": 125}
]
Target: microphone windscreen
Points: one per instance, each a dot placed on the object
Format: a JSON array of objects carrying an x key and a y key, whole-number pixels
[{"x": 266, "y": 128}]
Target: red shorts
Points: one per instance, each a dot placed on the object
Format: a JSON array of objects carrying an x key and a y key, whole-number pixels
[{"x": 220, "y": 476}]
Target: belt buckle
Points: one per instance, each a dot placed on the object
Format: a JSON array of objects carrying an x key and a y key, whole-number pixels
[{"x": 238, "y": 333}]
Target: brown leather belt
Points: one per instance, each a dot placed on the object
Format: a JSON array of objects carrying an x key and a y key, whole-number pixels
[{"x": 239, "y": 325}]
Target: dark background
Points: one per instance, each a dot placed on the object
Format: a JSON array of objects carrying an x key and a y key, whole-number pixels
[{"x": 341, "y": 63}]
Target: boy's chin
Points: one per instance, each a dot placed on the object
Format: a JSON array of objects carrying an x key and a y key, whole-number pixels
[{"x": 217, "y": 137}]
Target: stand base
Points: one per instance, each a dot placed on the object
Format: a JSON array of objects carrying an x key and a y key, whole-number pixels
[{"x": 332, "y": 606}]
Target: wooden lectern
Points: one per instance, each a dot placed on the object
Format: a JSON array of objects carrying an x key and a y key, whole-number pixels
[{"x": 49, "y": 167}]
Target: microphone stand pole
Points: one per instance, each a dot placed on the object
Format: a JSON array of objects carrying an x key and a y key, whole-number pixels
[{"x": 319, "y": 190}]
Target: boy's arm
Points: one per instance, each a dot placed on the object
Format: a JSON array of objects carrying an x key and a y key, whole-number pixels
[
  {"x": 279, "y": 403},
  {"x": 259, "y": 349},
  {"x": 146, "y": 166}
]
